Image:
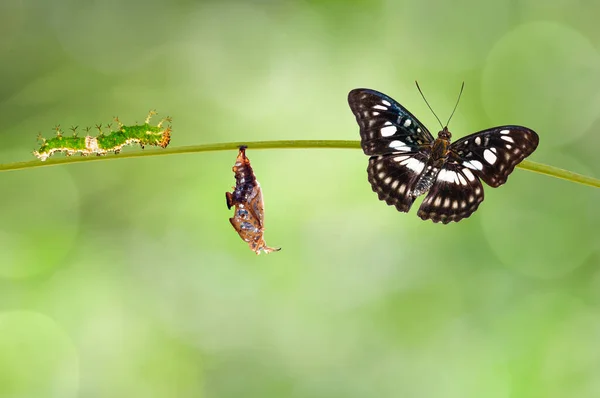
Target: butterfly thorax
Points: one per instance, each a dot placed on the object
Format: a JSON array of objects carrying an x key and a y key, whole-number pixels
[
  {"x": 439, "y": 148},
  {"x": 438, "y": 154}
]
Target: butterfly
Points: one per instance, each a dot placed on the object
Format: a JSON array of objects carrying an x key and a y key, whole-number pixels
[{"x": 406, "y": 161}]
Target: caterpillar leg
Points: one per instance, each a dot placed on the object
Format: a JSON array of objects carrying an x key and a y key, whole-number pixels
[{"x": 150, "y": 114}]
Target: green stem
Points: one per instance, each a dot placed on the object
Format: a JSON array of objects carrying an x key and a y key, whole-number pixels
[{"x": 283, "y": 144}]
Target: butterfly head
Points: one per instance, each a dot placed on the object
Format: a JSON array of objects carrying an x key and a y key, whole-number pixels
[{"x": 445, "y": 134}]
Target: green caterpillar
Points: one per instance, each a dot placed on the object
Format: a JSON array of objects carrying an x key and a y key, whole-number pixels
[{"x": 114, "y": 141}]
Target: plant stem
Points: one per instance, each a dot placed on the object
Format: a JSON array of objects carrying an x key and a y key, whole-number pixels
[{"x": 283, "y": 144}]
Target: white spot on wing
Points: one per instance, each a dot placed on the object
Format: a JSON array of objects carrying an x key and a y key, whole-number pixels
[
  {"x": 407, "y": 123},
  {"x": 507, "y": 138},
  {"x": 437, "y": 201},
  {"x": 415, "y": 165},
  {"x": 386, "y": 103},
  {"x": 444, "y": 176},
  {"x": 401, "y": 158},
  {"x": 450, "y": 176},
  {"x": 462, "y": 179},
  {"x": 505, "y": 132},
  {"x": 395, "y": 184},
  {"x": 381, "y": 107},
  {"x": 388, "y": 131},
  {"x": 489, "y": 156},
  {"x": 478, "y": 140},
  {"x": 469, "y": 175},
  {"x": 473, "y": 164},
  {"x": 399, "y": 146}
]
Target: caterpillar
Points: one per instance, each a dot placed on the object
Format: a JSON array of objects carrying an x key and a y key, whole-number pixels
[
  {"x": 248, "y": 219},
  {"x": 102, "y": 144}
]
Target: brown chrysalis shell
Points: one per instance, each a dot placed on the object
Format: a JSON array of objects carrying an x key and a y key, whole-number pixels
[{"x": 248, "y": 219}]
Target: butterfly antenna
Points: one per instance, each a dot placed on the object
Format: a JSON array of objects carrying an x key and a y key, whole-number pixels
[
  {"x": 438, "y": 119},
  {"x": 458, "y": 99}
]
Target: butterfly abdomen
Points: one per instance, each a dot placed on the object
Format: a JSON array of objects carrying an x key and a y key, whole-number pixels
[
  {"x": 425, "y": 181},
  {"x": 437, "y": 157}
]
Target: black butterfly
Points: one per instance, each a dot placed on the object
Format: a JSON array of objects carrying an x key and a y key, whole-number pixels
[{"x": 406, "y": 161}]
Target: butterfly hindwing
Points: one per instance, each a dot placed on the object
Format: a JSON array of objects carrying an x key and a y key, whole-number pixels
[
  {"x": 393, "y": 177},
  {"x": 385, "y": 125},
  {"x": 493, "y": 154},
  {"x": 455, "y": 194}
]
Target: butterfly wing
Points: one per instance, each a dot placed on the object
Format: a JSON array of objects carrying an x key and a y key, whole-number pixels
[
  {"x": 493, "y": 154},
  {"x": 455, "y": 194},
  {"x": 393, "y": 176},
  {"x": 385, "y": 125}
]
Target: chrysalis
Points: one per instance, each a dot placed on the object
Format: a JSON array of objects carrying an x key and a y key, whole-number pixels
[{"x": 248, "y": 219}]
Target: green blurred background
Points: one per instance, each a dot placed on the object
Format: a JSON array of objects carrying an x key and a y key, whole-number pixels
[{"x": 125, "y": 279}]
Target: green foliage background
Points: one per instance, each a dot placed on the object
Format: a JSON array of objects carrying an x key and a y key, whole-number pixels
[{"x": 125, "y": 279}]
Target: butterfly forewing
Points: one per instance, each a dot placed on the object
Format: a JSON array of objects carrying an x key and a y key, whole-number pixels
[
  {"x": 455, "y": 194},
  {"x": 385, "y": 125},
  {"x": 393, "y": 176},
  {"x": 493, "y": 154}
]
